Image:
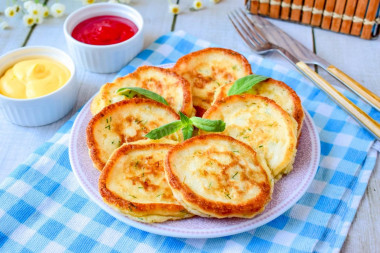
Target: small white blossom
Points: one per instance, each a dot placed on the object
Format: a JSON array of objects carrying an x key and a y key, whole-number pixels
[
  {"x": 57, "y": 10},
  {"x": 88, "y": 1},
  {"x": 10, "y": 11},
  {"x": 197, "y": 4},
  {"x": 38, "y": 20},
  {"x": 36, "y": 10},
  {"x": 28, "y": 20},
  {"x": 45, "y": 12},
  {"x": 17, "y": 8},
  {"x": 174, "y": 8},
  {"x": 29, "y": 4},
  {"x": 4, "y": 25}
]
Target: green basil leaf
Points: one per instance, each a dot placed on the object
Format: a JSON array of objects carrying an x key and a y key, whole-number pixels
[
  {"x": 126, "y": 92},
  {"x": 187, "y": 132},
  {"x": 208, "y": 125},
  {"x": 245, "y": 83},
  {"x": 184, "y": 119},
  {"x": 141, "y": 91},
  {"x": 164, "y": 130}
]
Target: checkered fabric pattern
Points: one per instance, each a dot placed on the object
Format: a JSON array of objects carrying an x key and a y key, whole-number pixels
[{"x": 43, "y": 209}]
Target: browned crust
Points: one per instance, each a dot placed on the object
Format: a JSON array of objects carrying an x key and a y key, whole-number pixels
[
  {"x": 128, "y": 206},
  {"x": 233, "y": 98},
  {"x": 187, "y": 103},
  {"x": 184, "y": 60},
  {"x": 298, "y": 113},
  {"x": 91, "y": 142},
  {"x": 220, "y": 209}
]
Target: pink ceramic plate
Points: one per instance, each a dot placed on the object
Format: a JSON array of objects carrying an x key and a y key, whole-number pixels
[{"x": 286, "y": 192}]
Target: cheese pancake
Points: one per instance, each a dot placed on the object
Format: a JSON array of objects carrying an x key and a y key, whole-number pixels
[
  {"x": 124, "y": 122},
  {"x": 133, "y": 183},
  {"x": 262, "y": 124},
  {"x": 208, "y": 69},
  {"x": 276, "y": 90},
  {"x": 218, "y": 176},
  {"x": 175, "y": 89}
]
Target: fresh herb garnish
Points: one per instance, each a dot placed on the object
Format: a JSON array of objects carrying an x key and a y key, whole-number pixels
[
  {"x": 165, "y": 130},
  {"x": 186, "y": 124},
  {"x": 131, "y": 92},
  {"x": 208, "y": 125},
  {"x": 245, "y": 83}
]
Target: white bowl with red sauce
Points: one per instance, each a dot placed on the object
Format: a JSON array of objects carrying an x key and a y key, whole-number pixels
[{"x": 104, "y": 37}]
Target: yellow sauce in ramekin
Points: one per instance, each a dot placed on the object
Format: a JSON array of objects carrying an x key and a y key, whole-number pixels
[{"x": 33, "y": 78}]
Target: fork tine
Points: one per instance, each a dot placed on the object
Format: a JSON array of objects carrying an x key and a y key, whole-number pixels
[
  {"x": 252, "y": 25},
  {"x": 242, "y": 31}
]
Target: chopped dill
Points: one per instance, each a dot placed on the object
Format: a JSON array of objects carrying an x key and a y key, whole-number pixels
[{"x": 233, "y": 177}]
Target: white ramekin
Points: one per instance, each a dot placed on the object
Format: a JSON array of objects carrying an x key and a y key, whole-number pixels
[
  {"x": 45, "y": 109},
  {"x": 103, "y": 58}
]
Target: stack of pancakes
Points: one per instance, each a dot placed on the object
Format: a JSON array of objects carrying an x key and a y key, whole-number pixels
[{"x": 229, "y": 174}]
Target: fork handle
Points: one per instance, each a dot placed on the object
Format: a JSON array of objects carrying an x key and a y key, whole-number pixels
[
  {"x": 363, "y": 118},
  {"x": 356, "y": 87}
]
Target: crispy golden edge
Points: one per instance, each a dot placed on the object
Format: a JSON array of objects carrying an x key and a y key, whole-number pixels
[
  {"x": 184, "y": 60},
  {"x": 134, "y": 208},
  {"x": 91, "y": 142},
  {"x": 187, "y": 103},
  {"x": 219, "y": 209},
  {"x": 233, "y": 98},
  {"x": 298, "y": 113}
]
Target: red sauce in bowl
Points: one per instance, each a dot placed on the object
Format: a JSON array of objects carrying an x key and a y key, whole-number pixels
[{"x": 104, "y": 30}]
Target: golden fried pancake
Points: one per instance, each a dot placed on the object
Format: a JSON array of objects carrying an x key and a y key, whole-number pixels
[
  {"x": 218, "y": 176},
  {"x": 124, "y": 122},
  {"x": 276, "y": 90},
  {"x": 208, "y": 69},
  {"x": 262, "y": 124},
  {"x": 133, "y": 183},
  {"x": 175, "y": 89}
]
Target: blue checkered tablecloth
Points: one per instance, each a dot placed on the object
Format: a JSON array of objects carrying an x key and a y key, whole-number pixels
[{"x": 43, "y": 208}]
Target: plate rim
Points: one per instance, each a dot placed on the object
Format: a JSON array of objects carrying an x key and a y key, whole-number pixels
[{"x": 234, "y": 229}]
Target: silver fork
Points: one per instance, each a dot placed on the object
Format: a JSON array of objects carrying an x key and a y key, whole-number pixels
[{"x": 255, "y": 39}]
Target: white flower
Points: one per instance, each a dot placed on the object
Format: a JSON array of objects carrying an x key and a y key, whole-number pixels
[
  {"x": 38, "y": 20},
  {"x": 28, "y": 20},
  {"x": 4, "y": 25},
  {"x": 36, "y": 10},
  {"x": 29, "y": 4},
  {"x": 45, "y": 12},
  {"x": 197, "y": 4},
  {"x": 174, "y": 8},
  {"x": 17, "y": 8},
  {"x": 10, "y": 11},
  {"x": 57, "y": 10},
  {"x": 88, "y": 1}
]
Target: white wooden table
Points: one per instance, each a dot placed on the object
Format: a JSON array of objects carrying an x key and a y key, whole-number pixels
[{"x": 358, "y": 58}]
